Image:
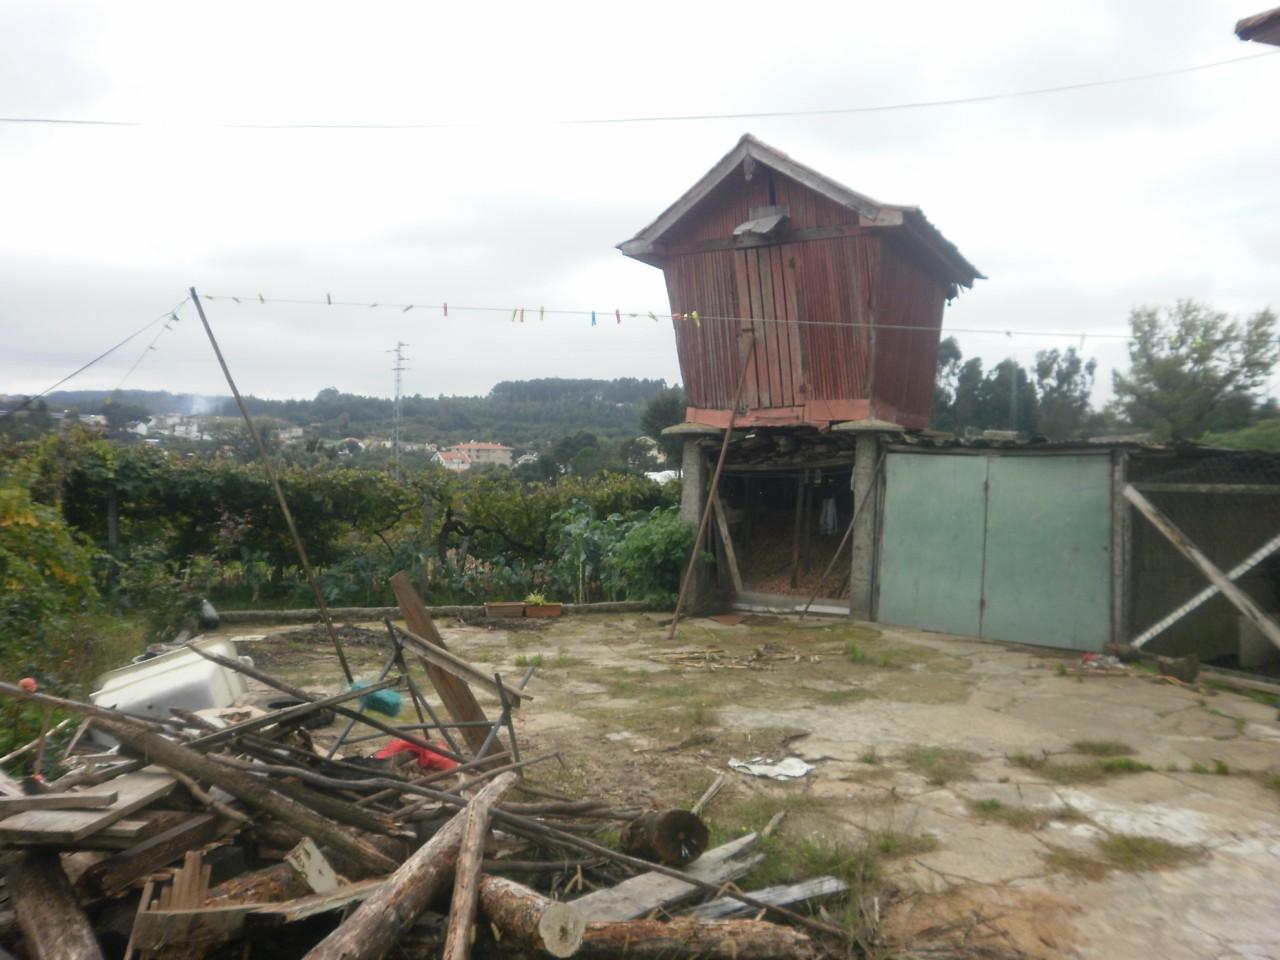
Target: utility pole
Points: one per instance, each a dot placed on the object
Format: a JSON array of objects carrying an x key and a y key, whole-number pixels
[
  {"x": 1013, "y": 394},
  {"x": 398, "y": 369}
]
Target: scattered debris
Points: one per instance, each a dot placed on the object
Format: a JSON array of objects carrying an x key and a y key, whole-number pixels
[
  {"x": 210, "y": 823},
  {"x": 789, "y": 768}
]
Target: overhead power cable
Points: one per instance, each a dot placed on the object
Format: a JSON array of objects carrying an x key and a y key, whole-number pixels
[
  {"x": 601, "y": 318},
  {"x": 654, "y": 118},
  {"x": 98, "y": 359}
]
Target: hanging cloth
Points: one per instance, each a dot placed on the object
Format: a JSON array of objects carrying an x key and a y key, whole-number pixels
[{"x": 828, "y": 519}]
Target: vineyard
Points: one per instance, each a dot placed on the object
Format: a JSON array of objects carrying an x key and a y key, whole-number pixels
[{"x": 94, "y": 534}]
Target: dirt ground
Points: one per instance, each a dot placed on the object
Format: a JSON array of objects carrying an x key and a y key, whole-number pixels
[{"x": 1034, "y": 809}]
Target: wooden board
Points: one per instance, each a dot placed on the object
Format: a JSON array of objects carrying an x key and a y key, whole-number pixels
[
  {"x": 72, "y": 800},
  {"x": 135, "y": 791},
  {"x": 641, "y": 895}
]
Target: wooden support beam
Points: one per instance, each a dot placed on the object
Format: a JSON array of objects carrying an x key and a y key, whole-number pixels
[
  {"x": 798, "y": 526},
  {"x": 47, "y": 910},
  {"x": 371, "y": 930},
  {"x": 1242, "y": 601},
  {"x": 730, "y": 554},
  {"x": 456, "y": 695}
]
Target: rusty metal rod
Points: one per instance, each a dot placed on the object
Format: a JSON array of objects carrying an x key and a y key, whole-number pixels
[
  {"x": 715, "y": 482},
  {"x": 275, "y": 484}
]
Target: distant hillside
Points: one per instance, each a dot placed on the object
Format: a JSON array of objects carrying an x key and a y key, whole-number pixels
[{"x": 516, "y": 412}]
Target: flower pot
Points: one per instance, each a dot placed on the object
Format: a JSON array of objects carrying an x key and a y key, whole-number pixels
[
  {"x": 504, "y": 609},
  {"x": 542, "y": 610}
]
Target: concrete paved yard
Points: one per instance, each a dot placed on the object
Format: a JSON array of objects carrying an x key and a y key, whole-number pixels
[{"x": 1019, "y": 805}]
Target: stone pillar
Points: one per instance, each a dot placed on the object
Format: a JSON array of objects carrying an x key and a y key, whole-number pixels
[
  {"x": 696, "y": 475},
  {"x": 862, "y": 574}
]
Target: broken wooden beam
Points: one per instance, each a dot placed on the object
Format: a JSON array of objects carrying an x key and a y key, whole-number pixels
[
  {"x": 133, "y": 792},
  {"x": 781, "y": 895},
  {"x": 118, "y": 871},
  {"x": 48, "y": 912},
  {"x": 373, "y": 927}
]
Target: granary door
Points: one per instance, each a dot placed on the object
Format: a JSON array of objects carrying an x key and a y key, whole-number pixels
[
  {"x": 766, "y": 285},
  {"x": 1014, "y": 548}
]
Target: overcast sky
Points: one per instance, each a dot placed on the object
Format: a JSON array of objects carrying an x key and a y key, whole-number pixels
[{"x": 1077, "y": 205}]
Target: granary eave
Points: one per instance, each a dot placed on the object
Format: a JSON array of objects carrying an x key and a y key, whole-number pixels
[
  {"x": 646, "y": 245},
  {"x": 1261, "y": 27}
]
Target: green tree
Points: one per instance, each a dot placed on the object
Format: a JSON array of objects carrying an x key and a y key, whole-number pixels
[
  {"x": 664, "y": 410},
  {"x": 1064, "y": 381},
  {"x": 1193, "y": 370}
]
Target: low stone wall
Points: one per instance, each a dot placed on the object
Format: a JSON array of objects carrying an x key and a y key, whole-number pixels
[{"x": 468, "y": 613}]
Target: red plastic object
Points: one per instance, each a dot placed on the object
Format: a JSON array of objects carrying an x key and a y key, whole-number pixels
[{"x": 427, "y": 759}]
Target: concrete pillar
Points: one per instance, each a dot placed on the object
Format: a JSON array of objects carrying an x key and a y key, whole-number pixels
[
  {"x": 693, "y": 500},
  {"x": 862, "y": 574}
]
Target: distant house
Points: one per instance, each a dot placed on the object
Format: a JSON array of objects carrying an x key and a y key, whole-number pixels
[
  {"x": 478, "y": 452},
  {"x": 452, "y": 459}
]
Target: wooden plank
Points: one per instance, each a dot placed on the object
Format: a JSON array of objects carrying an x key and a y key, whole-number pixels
[
  {"x": 779, "y": 896},
  {"x": 1235, "y": 573},
  {"x": 189, "y": 927},
  {"x": 293, "y": 910},
  {"x": 73, "y": 800},
  {"x": 456, "y": 695},
  {"x": 730, "y": 554},
  {"x": 640, "y": 895},
  {"x": 135, "y": 791},
  {"x": 1241, "y": 600}
]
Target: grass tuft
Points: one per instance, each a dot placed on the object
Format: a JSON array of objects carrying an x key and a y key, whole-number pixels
[
  {"x": 1114, "y": 765},
  {"x": 1127, "y": 852},
  {"x": 892, "y": 844},
  {"x": 535, "y": 661},
  {"x": 1022, "y": 818},
  {"x": 941, "y": 765},
  {"x": 1102, "y": 748}
]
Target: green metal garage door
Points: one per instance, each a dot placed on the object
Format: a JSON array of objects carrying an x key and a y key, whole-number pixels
[{"x": 1014, "y": 548}]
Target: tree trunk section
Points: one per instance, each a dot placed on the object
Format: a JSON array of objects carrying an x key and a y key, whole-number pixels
[
  {"x": 713, "y": 939},
  {"x": 47, "y": 910},
  {"x": 530, "y": 920},
  {"x": 371, "y": 930}
]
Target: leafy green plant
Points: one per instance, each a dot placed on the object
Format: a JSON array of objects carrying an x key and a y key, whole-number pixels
[{"x": 647, "y": 563}]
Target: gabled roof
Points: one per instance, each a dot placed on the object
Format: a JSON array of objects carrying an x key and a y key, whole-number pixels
[{"x": 646, "y": 245}]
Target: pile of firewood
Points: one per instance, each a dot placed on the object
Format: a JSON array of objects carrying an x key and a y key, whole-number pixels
[{"x": 206, "y": 835}]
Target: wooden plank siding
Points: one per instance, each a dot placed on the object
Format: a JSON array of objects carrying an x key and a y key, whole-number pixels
[{"x": 810, "y": 304}]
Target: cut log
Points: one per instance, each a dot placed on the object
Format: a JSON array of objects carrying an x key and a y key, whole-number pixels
[
  {"x": 728, "y": 939},
  {"x": 253, "y": 792},
  {"x": 528, "y": 919},
  {"x": 47, "y": 910},
  {"x": 466, "y": 881},
  {"x": 641, "y": 895},
  {"x": 369, "y": 932},
  {"x": 674, "y": 837},
  {"x": 456, "y": 695}
]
